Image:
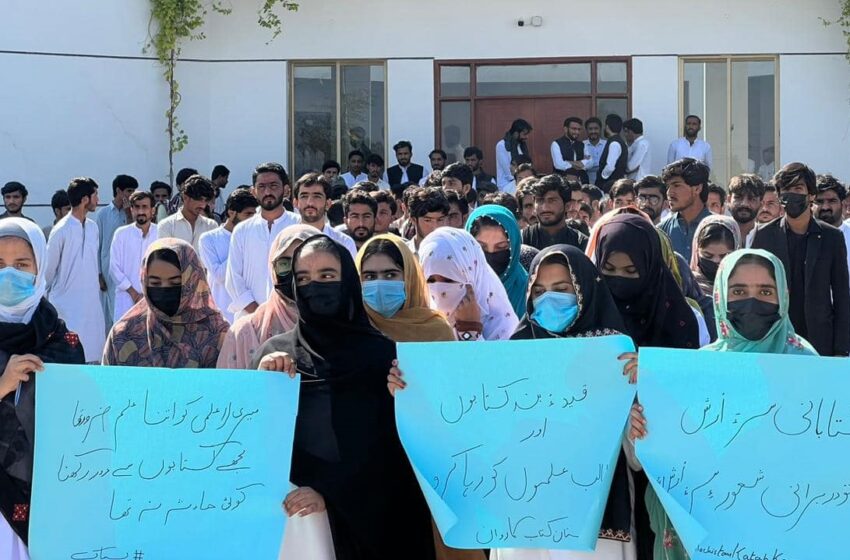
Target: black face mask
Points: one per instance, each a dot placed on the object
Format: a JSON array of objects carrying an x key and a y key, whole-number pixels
[
  {"x": 499, "y": 261},
  {"x": 743, "y": 214},
  {"x": 794, "y": 203},
  {"x": 322, "y": 298},
  {"x": 624, "y": 289},
  {"x": 165, "y": 298},
  {"x": 284, "y": 285},
  {"x": 708, "y": 267},
  {"x": 752, "y": 318}
]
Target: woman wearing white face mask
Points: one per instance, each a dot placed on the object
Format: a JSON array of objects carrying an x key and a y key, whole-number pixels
[
  {"x": 31, "y": 334},
  {"x": 464, "y": 287}
]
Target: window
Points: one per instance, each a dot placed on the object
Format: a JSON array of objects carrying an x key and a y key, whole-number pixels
[
  {"x": 335, "y": 108},
  {"x": 736, "y": 99}
]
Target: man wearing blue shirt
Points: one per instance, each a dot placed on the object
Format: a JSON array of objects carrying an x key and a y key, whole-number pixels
[{"x": 687, "y": 193}]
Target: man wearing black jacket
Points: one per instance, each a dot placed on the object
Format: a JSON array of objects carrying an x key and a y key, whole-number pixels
[
  {"x": 815, "y": 259},
  {"x": 615, "y": 155},
  {"x": 404, "y": 171}
]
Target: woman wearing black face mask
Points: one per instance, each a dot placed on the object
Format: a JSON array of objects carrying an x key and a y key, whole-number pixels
[
  {"x": 278, "y": 314},
  {"x": 498, "y": 233},
  {"x": 751, "y": 306},
  {"x": 176, "y": 325},
  {"x": 715, "y": 237},
  {"x": 347, "y": 458}
]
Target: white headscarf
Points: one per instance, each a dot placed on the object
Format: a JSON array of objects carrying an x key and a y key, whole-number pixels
[
  {"x": 32, "y": 234},
  {"x": 455, "y": 254}
]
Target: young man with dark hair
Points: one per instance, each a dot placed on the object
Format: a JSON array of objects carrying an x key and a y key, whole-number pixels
[
  {"x": 585, "y": 214},
  {"x": 312, "y": 198},
  {"x": 385, "y": 212},
  {"x": 687, "y": 192},
  {"x": 593, "y": 146},
  {"x": 182, "y": 175},
  {"x": 109, "y": 219},
  {"x": 458, "y": 177},
  {"x": 690, "y": 145},
  {"x": 14, "y": 197},
  {"x": 521, "y": 168},
  {"x": 770, "y": 209},
  {"x": 438, "y": 159},
  {"x": 191, "y": 221},
  {"x": 247, "y": 277},
  {"x": 359, "y": 210},
  {"x": 473, "y": 156},
  {"x": 403, "y": 224},
  {"x": 592, "y": 196},
  {"x": 71, "y": 272},
  {"x": 525, "y": 200},
  {"x": 404, "y": 171},
  {"x": 214, "y": 246},
  {"x": 220, "y": 176},
  {"x": 509, "y": 148},
  {"x": 458, "y": 209},
  {"x": 615, "y": 154},
  {"x": 640, "y": 156},
  {"x": 651, "y": 196},
  {"x": 506, "y": 200},
  {"x": 375, "y": 171},
  {"x": 815, "y": 258},
  {"x": 331, "y": 169},
  {"x": 429, "y": 210},
  {"x": 161, "y": 192},
  {"x": 716, "y": 202},
  {"x": 129, "y": 246},
  {"x": 622, "y": 194},
  {"x": 61, "y": 206},
  {"x": 355, "y": 173},
  {"x": 568, "y": 157},
  {"x": 745, "y": 197},
  {"x": 551, "y": 197},
  {"x": 829, "y": 205}
]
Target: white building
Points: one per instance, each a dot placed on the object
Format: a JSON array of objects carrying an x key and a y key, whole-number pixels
[{"x": 78, "y": 96}]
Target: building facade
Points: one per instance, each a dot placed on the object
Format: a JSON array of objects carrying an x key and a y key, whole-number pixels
[{"x": 80, "y": 97}]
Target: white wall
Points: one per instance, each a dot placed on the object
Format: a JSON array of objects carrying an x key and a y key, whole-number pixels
[
  {"x": 814, "y": 120},
  {"x": 410, "y": 107},
  {"x": 655, "y": 101}
]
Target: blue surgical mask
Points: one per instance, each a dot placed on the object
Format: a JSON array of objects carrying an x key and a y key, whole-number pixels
[
  {"x": 384, "y": 296},
  {"x": 15, "y": 286},
  {"x": 555, "y": 311}
]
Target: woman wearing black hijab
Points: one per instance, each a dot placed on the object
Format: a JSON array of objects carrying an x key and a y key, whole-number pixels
[
  {"x": 567, "y": 298},
  {"x": 31, "y": 334},
  {"x": 654, "y": 310},
  {"x": 347, "y": 457}
]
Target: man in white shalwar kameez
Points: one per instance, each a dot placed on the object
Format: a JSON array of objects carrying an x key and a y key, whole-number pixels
[
  {"x": 214, "y": 245},
  {"x": 108, "y": 220},
  {"x": 129, "y": 246},
  {"x": 247, "y": 279},
  {"x": 73, "y": 286},
  {"x": 312, "y": 198}
]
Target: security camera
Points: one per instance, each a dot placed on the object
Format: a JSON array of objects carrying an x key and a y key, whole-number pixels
[{"x": 520, "y": 23}]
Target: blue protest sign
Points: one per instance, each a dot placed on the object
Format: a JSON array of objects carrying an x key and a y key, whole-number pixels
[
  {"x": 514, "y": 443},
  {"x": 747, "y": 452},
  {"x": 148, "y": 464}
]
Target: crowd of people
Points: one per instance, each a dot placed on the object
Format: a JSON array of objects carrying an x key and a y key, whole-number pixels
[{"x": 324, "y": 274}]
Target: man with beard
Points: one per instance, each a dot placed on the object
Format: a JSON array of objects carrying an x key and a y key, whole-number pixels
[
  {"x": 690, "y": 146},
  {"x": 770, "y": 206},
  {"x": 312, "y": 198},
  {"x": 593, "y": 147},
  {"x": 247, "y": 277},
  {"x": 473, "y": 157},
  {"x": 815, "y": 259},
  {"x": 551, "y": 196},
  {"x": 14, "y": 198},
  {"x": 687, "y": 191},
  {"x": 745, "y": 198},
  {"x": 129, "y": 246},
  {"x": 240, "y": 206},
  {"x": 651, "y": 195},
  {"x": 615, "y": 154},
  {"x": 359, "y": 209},
  {"x": 190, "y": 222},
  {"x": 458, "y": 177},
  {"x": 108, "y": 220},
  {"x": 438, "y": 159},
  {"x": 829, "y": 204},
  {"x": 404, "y": 171},
  {"x": 568, "y": 157}
]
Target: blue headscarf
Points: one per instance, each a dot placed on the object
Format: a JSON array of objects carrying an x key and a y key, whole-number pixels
[{"x": 515, "y": 277}]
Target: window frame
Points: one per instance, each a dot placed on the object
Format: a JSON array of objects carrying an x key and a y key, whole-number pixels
[
  {"x": 337, "y": 64},
  {"x": 729, "y": 60}
]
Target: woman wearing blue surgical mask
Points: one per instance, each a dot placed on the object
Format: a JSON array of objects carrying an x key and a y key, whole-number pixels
[
  {"x": 31, "y": 334},
  {"x": 395, "y": 293},
  {"x": 566, "y": 298}
]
